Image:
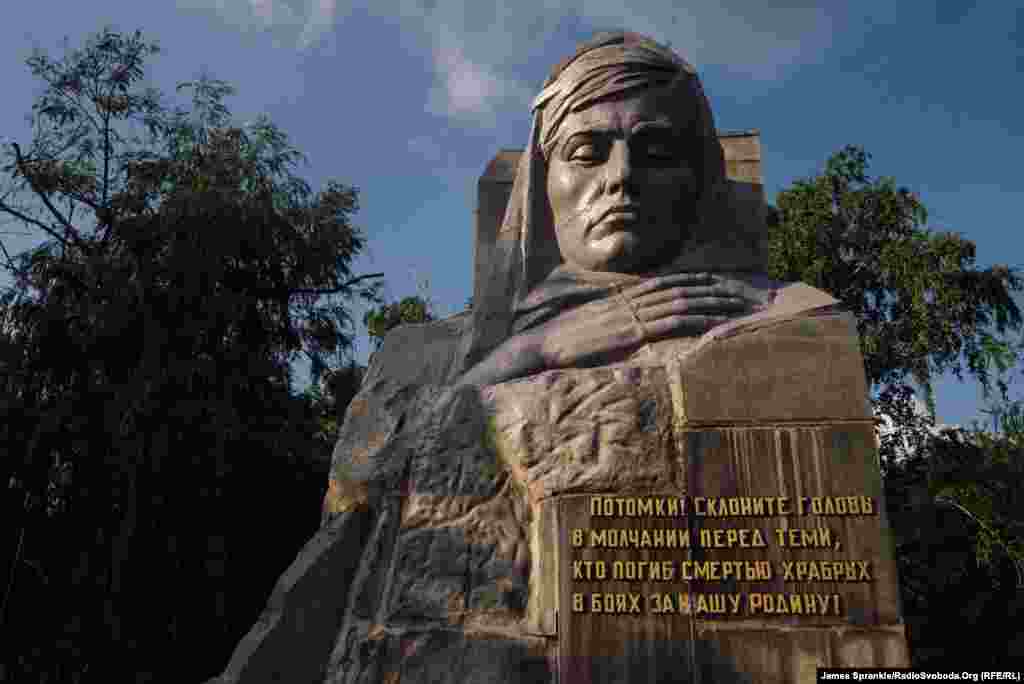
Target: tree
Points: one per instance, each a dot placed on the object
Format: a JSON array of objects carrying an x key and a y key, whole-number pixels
[
  {"x": 381, "y": 320},
  {"x": 955, "y": 510},
  {"x": 330, "y": 398},
  {"x": 922, "y": 308},
  {"x": 144, "y": 355}
]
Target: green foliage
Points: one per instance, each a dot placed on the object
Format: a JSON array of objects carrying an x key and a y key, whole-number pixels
[
  {"x": 381, "y": 320},
  {"x": 955, "y": 509},
  {"x": 982, "y": 476},
  {"x": 331, "y": 397},
  {"x": 922, "y": 307},
  {"x": 985, "y": 484},
  {"x": 145, "y": 390}
]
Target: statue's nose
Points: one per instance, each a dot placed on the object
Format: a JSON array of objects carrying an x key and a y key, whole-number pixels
[{"x": 619, "y": 168}]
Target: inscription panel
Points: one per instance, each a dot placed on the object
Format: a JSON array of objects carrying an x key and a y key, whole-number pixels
[{"x": 781, "y": 536}]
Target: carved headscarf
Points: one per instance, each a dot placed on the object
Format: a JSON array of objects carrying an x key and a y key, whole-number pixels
[{"x": 530, "y": 284}]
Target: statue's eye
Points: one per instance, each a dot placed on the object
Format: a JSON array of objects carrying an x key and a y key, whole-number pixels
[{"x": 585, "y": 153}]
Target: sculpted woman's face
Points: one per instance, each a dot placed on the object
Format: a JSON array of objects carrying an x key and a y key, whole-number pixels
[{"x": 622, "y": 183}]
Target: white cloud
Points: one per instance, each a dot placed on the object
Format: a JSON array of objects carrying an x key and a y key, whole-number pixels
[
  {"x": 299, "y": 23},
  {"x": 480, "y": 47},
  {"x": 321, "y": 19},
  {"x": 478, "y": 44},
  {"x": 751, "y": 36},
  {"x": 264, "y": 10},
  {"x": 761, "y": 40},
  {"x": 465, "y": 88}
]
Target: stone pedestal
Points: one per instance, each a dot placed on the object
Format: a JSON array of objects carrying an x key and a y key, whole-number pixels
[
  {"x": 764, "y": 442},
  {"x": 450, "y": 550}
]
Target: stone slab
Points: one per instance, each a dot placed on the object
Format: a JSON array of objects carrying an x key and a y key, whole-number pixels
[{"x": 803, "y": 370}]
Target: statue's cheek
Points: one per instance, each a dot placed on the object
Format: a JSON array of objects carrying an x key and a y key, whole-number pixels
[{"x": 572, "y": 188}]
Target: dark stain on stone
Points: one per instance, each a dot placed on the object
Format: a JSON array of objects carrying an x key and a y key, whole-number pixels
[
  {"x": 515, "y": 599},
  {"x": 647, "y": 414}
]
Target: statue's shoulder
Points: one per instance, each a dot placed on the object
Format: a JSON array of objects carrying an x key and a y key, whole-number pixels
[
  {"x": 797, "y": 360},
  {"x": 422, "y": 354},
  {"x": 793, "y": 298},
  {"x": 791, "y": 303}
]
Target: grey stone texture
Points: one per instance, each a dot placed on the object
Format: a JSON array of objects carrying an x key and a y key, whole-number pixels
[{"x": 442, "y": 555}]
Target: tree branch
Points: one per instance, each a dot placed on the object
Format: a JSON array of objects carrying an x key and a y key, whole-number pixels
[
  {"x": 77, "y": 104},
  {"x": 106, "y": 151},
  {"x": 10, "y": 262},
  {"x": 28, "y": 219},
  {"x": 339, "y": 288},
  {"x": 76, "y": 238}
]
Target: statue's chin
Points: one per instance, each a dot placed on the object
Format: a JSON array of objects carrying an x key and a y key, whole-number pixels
[
  {"x": 613, "y": 252},
  {"x": 628, "y": 253},
  {"x": 628, "y": 262}
]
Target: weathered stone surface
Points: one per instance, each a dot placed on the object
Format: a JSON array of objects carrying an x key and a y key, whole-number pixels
[
  {"x": 294, "y": 635},
  {"x": 458, "y": 548},
  {"x": 817, "y": 461},
  {"x": 368, "y": 585},
  {"x": 875, "y": 647},
  {"x": 606, "y": 429},
  {"x": 798, "y": 370},
  {"x": 449, "y": 656},
  {"x": 421, "y": 354},
  {"x": 462, "y": 547},
  {"x": 729, "y": 651}
]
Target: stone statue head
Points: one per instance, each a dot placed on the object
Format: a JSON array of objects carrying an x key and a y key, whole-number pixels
[
  {"x": 628, "y": 148},
  {"x": 618, "y": 180}
]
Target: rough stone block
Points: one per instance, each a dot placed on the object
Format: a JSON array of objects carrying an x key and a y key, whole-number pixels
[{"x": 799, "y": 370}]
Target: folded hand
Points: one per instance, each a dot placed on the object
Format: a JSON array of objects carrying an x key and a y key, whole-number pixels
[{"x": 678, "y": 305}]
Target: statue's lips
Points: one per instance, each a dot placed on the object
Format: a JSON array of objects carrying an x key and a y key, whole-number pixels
[{"x": 614, "y": 221}]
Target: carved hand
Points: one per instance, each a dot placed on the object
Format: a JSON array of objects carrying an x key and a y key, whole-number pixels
[{"x": 678, "y": 305}]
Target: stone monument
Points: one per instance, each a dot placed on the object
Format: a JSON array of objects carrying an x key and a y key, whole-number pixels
[{"x": 638, "y": 459}]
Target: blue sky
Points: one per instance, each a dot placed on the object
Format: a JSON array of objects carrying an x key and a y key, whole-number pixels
[{"x": 409, "y": 99}]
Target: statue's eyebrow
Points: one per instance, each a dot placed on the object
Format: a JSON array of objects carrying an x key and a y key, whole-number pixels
[
  {"x": 656, "y": 126},
  {"x": 652, "y": 126}
]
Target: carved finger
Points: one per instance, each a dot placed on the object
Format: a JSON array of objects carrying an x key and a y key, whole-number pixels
[
  {"x": 759, "y": 299},
  {"x": 704, "y": 305},
  {"x": 669, "y": 281},
  {"x": 663, "y": 296},
  {"x": 683, "y": 325}
]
